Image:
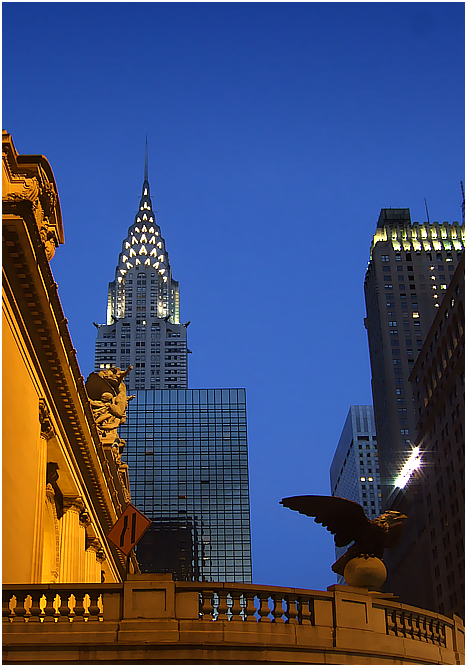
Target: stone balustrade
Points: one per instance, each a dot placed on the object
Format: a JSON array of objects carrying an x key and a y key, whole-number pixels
[{"x": 152, "y": 619}]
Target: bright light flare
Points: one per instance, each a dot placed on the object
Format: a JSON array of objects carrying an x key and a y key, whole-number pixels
[{"x": 411, "y": 465}]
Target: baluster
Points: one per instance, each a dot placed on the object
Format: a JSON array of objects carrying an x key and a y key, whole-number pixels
[
  {"x": 6, "y": 611},
  {"x": 304, "y": 610},
  {"x": 79, "y": 609},
  {"x": 292, "y": 611},
  {"x": 390, "y": 622},
  {"x": 431, "y": 634},
  {"x": 423, "y": 629},
  {"x": 20, "y": 610},
  {"x": 35, "y": 611},
  {"x": 399, "y": 628},
  {"x": 64, "y": 608},
  {"x": 93, "y": 610},
  {"x": 442, "y": 634},
  {"x": 416, "y": 628},
  {"x": 222, "y": 607},
  {"x": 250, "y": 608},
  {"x": 409, "y": 626},
  {"x": 49, "y": 609},
  {"x": 436, "y": 632},
  {"x": 264, "y": 610},
  {"x": 236, "y": 608},
  {"x": 207, "y": 608},
  {"x": 278, "y": 610}
]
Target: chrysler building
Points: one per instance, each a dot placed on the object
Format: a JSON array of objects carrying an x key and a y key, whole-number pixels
[{"x": 143, "y": 326}]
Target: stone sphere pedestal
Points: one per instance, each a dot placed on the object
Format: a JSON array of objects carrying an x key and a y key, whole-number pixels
[{"x": 365, "y": 572}]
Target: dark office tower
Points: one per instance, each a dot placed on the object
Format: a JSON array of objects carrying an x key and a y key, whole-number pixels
[
  {"x": 188, "y": 466},
  {"x": 143, "y": 326},
  {"x": 438, "y": 382},
  {"x": 410, "y": 268}
]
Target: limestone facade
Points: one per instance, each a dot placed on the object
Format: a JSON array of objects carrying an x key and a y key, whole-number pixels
[{"x": 61, "y": 489}]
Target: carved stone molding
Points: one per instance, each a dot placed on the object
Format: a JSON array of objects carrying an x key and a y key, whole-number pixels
[
  {"x": 36, "y": 194},
  {"x": 84, "y": 519},
  {"x": 47, "y": 234},
  {"x": 47, "y": 430},
  {"x": 23, "y": 188}
]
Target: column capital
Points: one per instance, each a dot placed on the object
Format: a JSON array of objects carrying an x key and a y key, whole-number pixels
[
  {"x": 84, "y": 518},
  {"x": 73, "y": 503}
]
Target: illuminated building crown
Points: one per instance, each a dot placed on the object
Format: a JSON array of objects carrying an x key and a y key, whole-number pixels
[{"x": 144, "y": 252}]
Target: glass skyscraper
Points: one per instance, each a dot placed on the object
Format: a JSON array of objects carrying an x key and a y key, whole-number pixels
[{"x": 188, "y": 466}]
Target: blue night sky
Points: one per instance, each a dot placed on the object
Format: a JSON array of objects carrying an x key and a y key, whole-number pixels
[{"x": 276, "y": 133}]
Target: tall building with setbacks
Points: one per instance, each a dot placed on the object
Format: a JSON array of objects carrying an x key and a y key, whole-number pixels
[
  {"x": 186, "y": 448},
  {"x": 410, "y": 268},
  {"x": 143, "y": 309}
]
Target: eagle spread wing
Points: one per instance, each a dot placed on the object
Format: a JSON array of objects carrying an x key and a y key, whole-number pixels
[{"x": 343, "y": 518}]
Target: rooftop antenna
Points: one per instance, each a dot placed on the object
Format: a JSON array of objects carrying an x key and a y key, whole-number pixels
[
  {"x": 427, "y": 214},
  {"x": 463, "y": 202},
  {"x": 146, "y": 161}
]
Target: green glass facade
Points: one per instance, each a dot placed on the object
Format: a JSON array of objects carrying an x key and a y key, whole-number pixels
[{"x": 188, "y": 466}]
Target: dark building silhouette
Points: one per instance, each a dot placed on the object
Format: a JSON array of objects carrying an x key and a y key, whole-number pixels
[
  {"x": 410, "y": 269},
  {"x": 438, "y": 381},
  {"x": 170, "y": 546}
]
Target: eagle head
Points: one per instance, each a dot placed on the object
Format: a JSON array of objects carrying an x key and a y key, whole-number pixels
[{"x": 390, "y": 520}]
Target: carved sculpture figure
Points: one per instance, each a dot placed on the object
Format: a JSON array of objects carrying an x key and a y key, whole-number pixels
[
  {"x": 346, "y": 520},
  {"x": 108, "y": 399}
]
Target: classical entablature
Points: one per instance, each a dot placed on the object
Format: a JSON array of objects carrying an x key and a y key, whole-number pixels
[{"x": 47, "y": 419}]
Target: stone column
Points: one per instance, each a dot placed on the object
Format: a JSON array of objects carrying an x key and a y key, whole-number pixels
[
  {"x": 46, "y": 434},
  {"x": 84, "y": 522},
  {"x": 71, "y": 542},
  {"x": 93, "y": 560}
]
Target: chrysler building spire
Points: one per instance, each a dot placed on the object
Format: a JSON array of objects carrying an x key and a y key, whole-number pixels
[
  {"x": 146, "y": 162},
  {"x": 143, "y": 308}
]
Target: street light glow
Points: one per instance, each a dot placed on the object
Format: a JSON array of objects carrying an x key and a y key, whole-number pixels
[{"x": 412, "y": 464}]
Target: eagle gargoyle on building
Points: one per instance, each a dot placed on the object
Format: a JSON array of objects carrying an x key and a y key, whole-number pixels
[{"x": 346, "y": 520}]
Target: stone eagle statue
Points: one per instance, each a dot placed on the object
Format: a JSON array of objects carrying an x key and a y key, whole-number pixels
[{"x": 346, "y": 520}]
